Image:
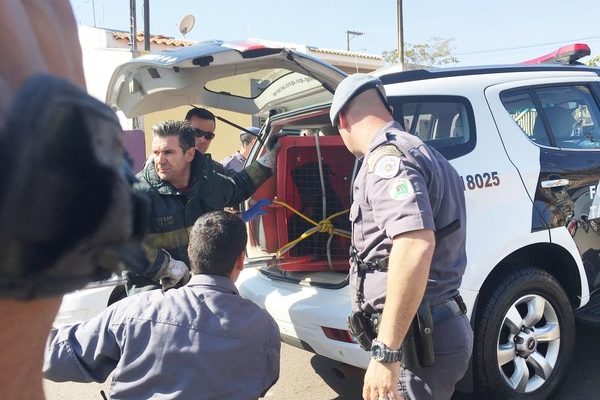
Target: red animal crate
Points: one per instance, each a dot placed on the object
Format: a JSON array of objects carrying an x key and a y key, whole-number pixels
[{"x": 309, "y": 188}]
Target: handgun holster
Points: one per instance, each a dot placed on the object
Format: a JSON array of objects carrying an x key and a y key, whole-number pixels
[{"x": 362, "y": 329}]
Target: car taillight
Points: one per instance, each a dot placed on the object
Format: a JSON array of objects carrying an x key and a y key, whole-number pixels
[{"x": 340, "y": 335}]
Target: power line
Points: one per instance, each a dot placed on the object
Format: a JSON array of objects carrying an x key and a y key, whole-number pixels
[{"x": 526, "y": 47}]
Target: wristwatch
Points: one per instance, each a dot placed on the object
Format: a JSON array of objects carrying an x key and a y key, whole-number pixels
[{"x": 382, "y": 353}]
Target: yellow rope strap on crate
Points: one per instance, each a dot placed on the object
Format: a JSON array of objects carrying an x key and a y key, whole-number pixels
[{"x": 323, "y": 226}]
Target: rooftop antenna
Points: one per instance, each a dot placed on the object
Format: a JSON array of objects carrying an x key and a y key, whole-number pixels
[{"x": 186, "y": 24}]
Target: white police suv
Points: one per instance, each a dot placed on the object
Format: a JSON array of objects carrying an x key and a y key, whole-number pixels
[{"x": 525, "y": 139}]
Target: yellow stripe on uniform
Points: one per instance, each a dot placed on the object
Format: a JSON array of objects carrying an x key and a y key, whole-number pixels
[{"x": 165, "y": 240}]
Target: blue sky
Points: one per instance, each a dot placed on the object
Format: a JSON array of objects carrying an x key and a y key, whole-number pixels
[{"x": 484, "y": 31}]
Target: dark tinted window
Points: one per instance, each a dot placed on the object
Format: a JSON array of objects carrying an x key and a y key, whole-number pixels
[
  {"x": 565, "y": 116},
  {"x": 443, "y": 122},
  {"x": 523, "y": 110}
]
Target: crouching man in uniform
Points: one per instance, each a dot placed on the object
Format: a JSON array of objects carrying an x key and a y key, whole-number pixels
[
  {"x": 201, "y": 341},
  {"x": 408, "y": 258}
]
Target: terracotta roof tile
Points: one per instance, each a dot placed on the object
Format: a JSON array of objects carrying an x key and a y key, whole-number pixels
[
  {"x": 345, "y": 53},
  {"x": 157, "y": 39}
]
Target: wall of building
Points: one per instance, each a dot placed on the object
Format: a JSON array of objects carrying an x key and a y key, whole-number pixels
[{"x": 99, "y": 60}]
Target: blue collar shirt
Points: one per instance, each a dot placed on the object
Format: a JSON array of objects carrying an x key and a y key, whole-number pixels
[{"x": 201, "y": 341}]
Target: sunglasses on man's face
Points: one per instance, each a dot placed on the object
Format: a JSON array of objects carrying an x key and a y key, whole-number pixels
[{"x": 206, "y": 135}]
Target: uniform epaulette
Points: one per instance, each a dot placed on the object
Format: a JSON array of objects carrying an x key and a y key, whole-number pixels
[{"x": 381, "y": 151}]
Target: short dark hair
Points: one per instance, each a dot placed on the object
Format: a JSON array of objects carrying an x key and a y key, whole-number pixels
[
  {"x": 199, "y": 113},
  {"x": 217, "y": 239},
  {"x": 187, "y": 134}
]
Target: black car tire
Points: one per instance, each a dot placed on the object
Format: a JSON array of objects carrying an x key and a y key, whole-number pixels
[{"x": 536, "y": 359}]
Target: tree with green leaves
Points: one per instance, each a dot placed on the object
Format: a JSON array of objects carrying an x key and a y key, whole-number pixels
[
  {"x": 436, "y": 51},
  {"x": 594, "y": 62}
]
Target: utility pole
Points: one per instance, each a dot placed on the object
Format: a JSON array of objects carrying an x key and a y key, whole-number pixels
[
  {"x": 400, "y": 32},
  {"x": 354, "y": 34},
  {"x": 147, "y": 25},
  {"x": 132, "y": 26},
  {"x": 94, "y": 12}
]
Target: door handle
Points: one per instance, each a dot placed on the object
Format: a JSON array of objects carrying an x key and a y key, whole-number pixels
[{"x": 552, "y": 183}]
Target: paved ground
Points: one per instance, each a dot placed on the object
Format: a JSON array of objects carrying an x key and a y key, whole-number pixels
[{"x": 305, "y": 376}]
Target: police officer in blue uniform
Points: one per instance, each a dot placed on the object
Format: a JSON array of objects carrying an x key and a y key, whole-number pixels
[{"x": 408, "y": 257}]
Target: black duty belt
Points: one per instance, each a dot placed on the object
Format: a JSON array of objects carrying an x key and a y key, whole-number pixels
[
  {"x": 417, "y": 346},
  {"x": 439, "y": 313},
  {"x": 448, "y": 308}
]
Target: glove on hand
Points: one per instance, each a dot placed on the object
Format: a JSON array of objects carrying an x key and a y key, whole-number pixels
[
  {"x": 269, "y": 159},
  {"x": 171, "y": 271},
  {"x": 260, "y": 208}
]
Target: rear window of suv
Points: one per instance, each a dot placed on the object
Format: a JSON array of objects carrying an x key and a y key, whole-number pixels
[
  {"x": 564, "y": 116},
  {"x": 443, "y": 122}
]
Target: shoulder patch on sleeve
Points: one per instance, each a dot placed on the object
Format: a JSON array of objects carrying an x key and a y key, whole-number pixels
[
  {"x": 384, "y": 161},
  {"x": 400, "y": 188}
]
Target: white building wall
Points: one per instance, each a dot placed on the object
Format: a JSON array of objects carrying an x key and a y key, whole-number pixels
[{"x": 99, "y": 61}]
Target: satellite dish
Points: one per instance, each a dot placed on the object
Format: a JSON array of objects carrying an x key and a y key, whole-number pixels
[{"x": 186, "y": 24}]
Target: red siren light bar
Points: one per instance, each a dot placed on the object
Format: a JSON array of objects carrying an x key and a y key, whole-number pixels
[{"x": 564, "y": 55}]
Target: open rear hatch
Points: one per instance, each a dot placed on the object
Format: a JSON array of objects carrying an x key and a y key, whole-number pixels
[{"x": 244, "y": 77}]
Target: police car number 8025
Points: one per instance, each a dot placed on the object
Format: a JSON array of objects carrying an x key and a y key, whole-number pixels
[{"x": 480, "y": 181}]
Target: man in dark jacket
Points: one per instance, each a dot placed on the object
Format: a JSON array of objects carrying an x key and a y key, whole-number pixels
[{"x": 181, "y": 185}]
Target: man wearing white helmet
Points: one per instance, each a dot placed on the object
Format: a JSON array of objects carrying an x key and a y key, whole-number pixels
[{"x": 408, "y": 251}]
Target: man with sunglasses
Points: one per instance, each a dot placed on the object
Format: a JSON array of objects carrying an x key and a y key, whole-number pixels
[
  {"x": 204, "y": 121},
  {"x": 181, "y": 185},
  {"x": 205, "y": 124}
]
